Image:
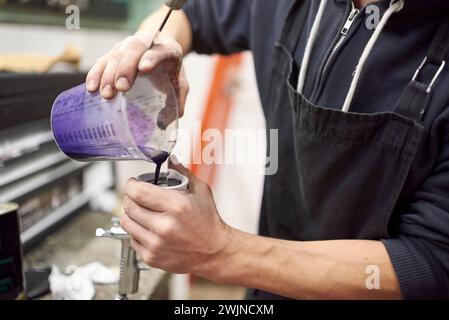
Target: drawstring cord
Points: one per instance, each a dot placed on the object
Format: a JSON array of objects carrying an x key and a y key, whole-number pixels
[
  {"x": 395, "y": 6},
  {"x": 308, "y": 52}
]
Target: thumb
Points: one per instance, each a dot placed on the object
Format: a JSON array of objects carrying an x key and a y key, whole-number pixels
[
  {"x": 195, "y": 183},
  {"x": 177, "y": 166}
]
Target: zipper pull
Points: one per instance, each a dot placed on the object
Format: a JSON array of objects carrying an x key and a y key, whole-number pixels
[{"x": 354, "y": 13}]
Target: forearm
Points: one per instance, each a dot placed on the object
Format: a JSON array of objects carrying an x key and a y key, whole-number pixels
[
  {"x": 177, "y": 27},
  {"x": 306, "y": 270}
]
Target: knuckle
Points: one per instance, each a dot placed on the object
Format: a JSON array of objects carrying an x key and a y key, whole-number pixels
[
  {"x": 115, "y": 55},
  {"x": 177, "y": 51},
  {"x": 139, "y": 194},
  {"x": 126, "y": 69},
  {"x": 181, "y": 206},
  {"x": 95, "y": 71},
  {"x": 90, "y": 75},
  {"x": 174, "y": 46},
  {"x": 135, "y": 190},
  {"x": 156, "y": 246},
  {"x": 118, "y": 46},
  {"x": 168, "y": 54},
  {"x": 144, "y": 37},
  {"x": 168, "y": 230},
  {"x": 146, "y": 256},
  {"x": 128, "y": 39},
  {"x": 136, "y": 45},
  {"x": 129, "y": 184},
  {"x": 150, "y": 258},
  {"x": 124, "y": 222},
  {"x": 100, "y": 61},
  {"x": 127, "y": 205}
]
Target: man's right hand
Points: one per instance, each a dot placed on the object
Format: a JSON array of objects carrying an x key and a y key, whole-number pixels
[{"x": 117, "y": 70}]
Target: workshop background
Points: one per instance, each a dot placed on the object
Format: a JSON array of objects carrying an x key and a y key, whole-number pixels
[{"x": 63, "y": 202}]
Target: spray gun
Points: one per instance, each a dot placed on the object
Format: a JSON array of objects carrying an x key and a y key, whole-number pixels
[{"x": 129, "y": 265}]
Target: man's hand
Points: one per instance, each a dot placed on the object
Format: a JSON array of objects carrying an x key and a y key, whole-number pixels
[
  {"x": 117, "y": 70},
  {"x": 177, "y": 231}
]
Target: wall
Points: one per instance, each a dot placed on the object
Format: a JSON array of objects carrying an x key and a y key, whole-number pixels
[{"x": 18, "y": 38}]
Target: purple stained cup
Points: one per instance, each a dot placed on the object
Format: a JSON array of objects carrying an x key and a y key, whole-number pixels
[{"x": 132, "y": 126}]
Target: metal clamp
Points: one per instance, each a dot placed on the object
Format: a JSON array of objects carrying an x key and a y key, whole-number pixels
[{"x": 435, "y": 77}]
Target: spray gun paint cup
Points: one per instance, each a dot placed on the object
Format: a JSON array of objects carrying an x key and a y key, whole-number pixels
[
  {"x": 138, "y": 125},
  {"x": 172, "y": 180}
]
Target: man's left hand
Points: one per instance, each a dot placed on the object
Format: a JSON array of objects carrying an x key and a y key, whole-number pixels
[{"x": 177, "y": 231}]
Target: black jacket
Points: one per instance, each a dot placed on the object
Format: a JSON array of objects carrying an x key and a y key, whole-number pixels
[{"x": 419, "y": 246}]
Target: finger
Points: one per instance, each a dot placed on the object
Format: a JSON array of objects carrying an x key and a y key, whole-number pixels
[
  {"x": 167, "y": 115},
  {"x": 183, "y": 89},
  {"x": 128, "y": 66},
  {"x": 94, "y": 76},
  {"x": 155, "y": 222},
  {"x": 195, "y": 184},
  {"x": 174, "y": 164},
  {"x": 107, "y": 85},
  {"x": 160, "y": 54},
  {"x": 149, "y": 196},
  {"x": 142, "y": 253},
  {"x": 138, "y": 232}
]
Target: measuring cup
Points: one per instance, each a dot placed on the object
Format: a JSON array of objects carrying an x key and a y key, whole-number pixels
[{"x": 141, "y": 124}]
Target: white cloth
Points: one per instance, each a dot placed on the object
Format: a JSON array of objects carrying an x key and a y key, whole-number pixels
[{"x": 78, "y": 282}]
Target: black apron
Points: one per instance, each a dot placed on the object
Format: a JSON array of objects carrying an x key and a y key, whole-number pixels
[{"x": 340, "y": 174}]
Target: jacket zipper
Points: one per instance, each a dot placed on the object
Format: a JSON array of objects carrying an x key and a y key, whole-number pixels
[
  {"x": 341, "y": 37},
  {"x": 343, "y": 34}
]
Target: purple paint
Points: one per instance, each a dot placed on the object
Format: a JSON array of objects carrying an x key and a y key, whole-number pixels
[{"x": 159, "y": 161}]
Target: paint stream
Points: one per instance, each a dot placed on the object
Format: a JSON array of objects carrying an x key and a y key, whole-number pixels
[{"x": 159, "y": 161}]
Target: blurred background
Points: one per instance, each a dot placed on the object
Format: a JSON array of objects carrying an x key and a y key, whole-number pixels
[{"x": 42, "y": 53}]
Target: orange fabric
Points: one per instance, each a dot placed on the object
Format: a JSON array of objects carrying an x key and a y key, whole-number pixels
[{"x": 218, "y": 108}]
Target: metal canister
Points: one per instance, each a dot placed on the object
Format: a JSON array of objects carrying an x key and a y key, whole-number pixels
[{"x": 12, "y": 284}]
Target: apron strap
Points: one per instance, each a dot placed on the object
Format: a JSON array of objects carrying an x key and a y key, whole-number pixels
[
  {"x": 415, "y": 98},
  {"x": 293, "y": 26},
  {"x": 439, "y": 50}
]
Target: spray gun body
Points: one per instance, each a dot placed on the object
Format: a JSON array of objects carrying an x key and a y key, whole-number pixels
[{"x": 129, "y": 266}]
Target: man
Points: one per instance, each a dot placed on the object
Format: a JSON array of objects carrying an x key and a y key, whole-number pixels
[{"x": 363, "y": 181}]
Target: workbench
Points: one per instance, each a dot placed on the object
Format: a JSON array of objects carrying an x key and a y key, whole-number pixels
[{"x": 75, "y": 244}]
